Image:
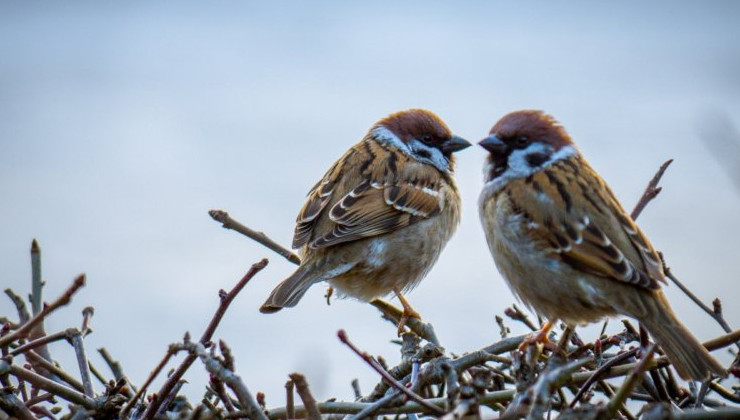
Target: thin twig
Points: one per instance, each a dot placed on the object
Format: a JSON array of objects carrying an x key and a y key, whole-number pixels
[
  {"x": 617, "y": 403},
  {"x": 226, "y": 299},
  {"x": 36, "y": 282},
  {"x": 548, "y": 382},
  {"x": 229, "y": 223},
  {"x": 518, "y": 315},
  {"x": 373, "y": 408},
  {"x": 489, "y": 399},
  {"x": 116, "y": 368},
  {"x": 716, "y": 316},
  {"x": 301, "y": 386},
  {"x": 61, "y": 391},
  {"x": 10, "y": 404},
  {"x": 61, "y": 335},
  {"x": 595, "y": 376},
  {"x": 394, "y": 314},
  {"x": 79, "y": 347},
  {"x": 651, "y": 191},
  {"x": 374, "y": 364},
  {"x": 231, "y": 379},
  {"x": 289, "y": 401},
  {"x": 154, "y": 373},
  {"x": 39, "y": 362},
  {"x": 61, "y": 301}
]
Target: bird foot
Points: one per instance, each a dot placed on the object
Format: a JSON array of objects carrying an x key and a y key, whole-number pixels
[
  {"x": 408, "y": 313},
  {"x": 538, "y": 337},
  {"x": 329, "y": 293}
]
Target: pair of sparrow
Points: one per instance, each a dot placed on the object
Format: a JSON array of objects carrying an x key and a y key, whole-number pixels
[{"x": 378, "y": 220}]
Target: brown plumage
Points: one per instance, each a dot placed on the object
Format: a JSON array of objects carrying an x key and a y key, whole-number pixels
[
  {"x": 565, "y": 245},
  {"x": 379, "y": 218}
]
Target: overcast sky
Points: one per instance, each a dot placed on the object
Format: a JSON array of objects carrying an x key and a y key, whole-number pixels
[{"x": 122, "y": 124}]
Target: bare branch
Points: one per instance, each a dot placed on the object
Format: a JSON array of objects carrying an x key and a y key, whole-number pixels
[
  {"x": 229, "y": 223},
  {"x": 301, "y": 386},
  {"x": 226, "y": 299},
  {"x": 616, "y": 403},
  {"x": 394, "y": 314},
  {"x": 61, "y": 301},
  {"x": 651, "y": 191},
  {"x": 50, "y": 386},
  {"x": 374, "y": 364}
]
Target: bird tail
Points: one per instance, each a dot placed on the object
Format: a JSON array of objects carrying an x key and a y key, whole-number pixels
[
  {"x": 690, "y": 358},
  {"x": 289, "y": 291}
]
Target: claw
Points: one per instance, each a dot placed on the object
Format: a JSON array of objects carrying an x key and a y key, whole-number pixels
[
  {"x": 408, "y": 311},
  {"x": 538, "y": 337},
  {"x": 329, "y": 294}
]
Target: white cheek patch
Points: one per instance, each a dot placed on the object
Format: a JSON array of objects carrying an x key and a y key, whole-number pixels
[
  {"x": 415, "y": 148},
  {"x": 519, "y": 167},
  {"x": 386, "y": 136},
  {"x": 429, "y": 154}
]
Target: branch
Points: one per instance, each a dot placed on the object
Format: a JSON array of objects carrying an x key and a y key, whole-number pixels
[
  {"x": 154, "y": 373},
  {"x": 394, "y": 314},
  {"x": 616, "y": 403},
  {"x": 38, "y": 318},
  {"x": 301, "y": 386},
  {"x": 489, "y": 399},
  {"x": 374, "y": 364},
  {"x": 79, "y": 347},
  {"x": 226, "y": 299},
  {"x": 714, "y": 313},
  {"x": 41, "y": 364},
  {"x": 61, "y": 391},
  {"x": 651, "y": 191},
  {"x": 233, "y": 380},
  {"x": 229, "y": 223}
]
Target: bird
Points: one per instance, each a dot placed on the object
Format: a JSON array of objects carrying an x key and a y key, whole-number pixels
[
  {"x": 565, "y": 245},
  {"x": 377, "y": 221}
]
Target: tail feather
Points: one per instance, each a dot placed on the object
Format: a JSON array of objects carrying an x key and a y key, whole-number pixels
[
  {"x": 288, "y": 292},
  {"x": 690, "y": 358}
]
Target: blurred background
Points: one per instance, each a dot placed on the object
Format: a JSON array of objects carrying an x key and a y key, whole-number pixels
[{"x": 121, "y": 125}]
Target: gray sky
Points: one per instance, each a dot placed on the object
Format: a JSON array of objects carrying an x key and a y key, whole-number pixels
[{"x": 121, "y": 125}]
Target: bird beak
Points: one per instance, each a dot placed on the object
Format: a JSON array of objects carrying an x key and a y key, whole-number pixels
[
  {"x": 494, "y": 145},
  {"x": 454, "y": 144}
]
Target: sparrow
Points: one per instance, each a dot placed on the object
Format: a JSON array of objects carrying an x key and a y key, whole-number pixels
[
  {"x": 564, "y": 244},
  {"x": 378, "y": 220}
]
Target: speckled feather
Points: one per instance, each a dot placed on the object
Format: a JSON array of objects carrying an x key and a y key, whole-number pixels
[
  {"x": 368, "y": 194},
  {"x": 379, "y": 218},
  {"x": 565, "y": 245},
  {"x": 591, "y": 235}
]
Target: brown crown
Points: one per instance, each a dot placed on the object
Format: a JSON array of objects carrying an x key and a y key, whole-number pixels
[
  {"x": 414, "y": 123},
  {"x": 534, "y": 124}
]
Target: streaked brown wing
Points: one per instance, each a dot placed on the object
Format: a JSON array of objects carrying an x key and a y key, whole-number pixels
[
  {"x": 362, "y": 196},
  {"x": 373, "y": 209},
  {"x": 318, "y": 198},
  {"x": 590, "y": 232}
]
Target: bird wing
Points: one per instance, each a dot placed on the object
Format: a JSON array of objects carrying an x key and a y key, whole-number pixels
[
  {"x": 584, "y": 224},
  {"x": 363, "y": 196}
]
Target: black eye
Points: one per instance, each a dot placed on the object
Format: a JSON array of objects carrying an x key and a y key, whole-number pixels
[
  {"x": 522, "y": 141},
  {"x": 426, "y": 138}
]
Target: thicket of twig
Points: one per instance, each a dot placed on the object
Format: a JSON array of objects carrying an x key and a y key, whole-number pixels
[{"x": 622, "y": 375}]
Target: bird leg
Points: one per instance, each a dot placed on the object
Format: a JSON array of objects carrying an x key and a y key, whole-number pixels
[
  {"x": 329, "y": 293},
  {"x": 538, "y": 336},
  {"x": 408, "y": 311}
]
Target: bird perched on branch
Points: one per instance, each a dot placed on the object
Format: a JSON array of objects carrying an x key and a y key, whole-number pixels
[
  {"x": 379, "y": 218},
  {"x": 565, "y": 245}
]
